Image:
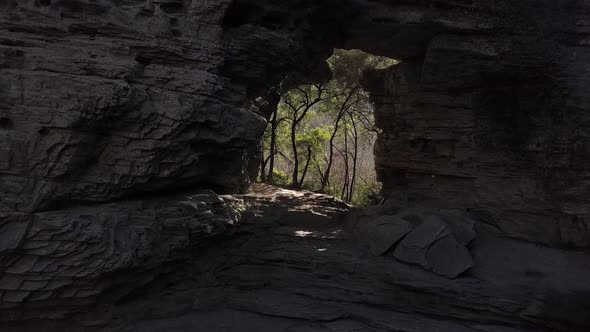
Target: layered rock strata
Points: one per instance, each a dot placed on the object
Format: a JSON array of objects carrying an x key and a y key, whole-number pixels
[
  {"x": 62, "y": 263},
  {"x": 300, "y": 269},
  {"x": 490, "y": 116},
  {"x": 110, "y": 108}
]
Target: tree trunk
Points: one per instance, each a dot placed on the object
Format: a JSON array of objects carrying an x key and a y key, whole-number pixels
[
  {"x": 341, "y": 112},
  {"x": 295, "y": 176},
  {"x": 262, "y": 164},
  {"x": 297, "y": 117},
  {"x": 354, "y": 159},
  {"x": 306, "y": 167},
  {"x": 273, "y": 144},
  {"x": 263, "y": 174},
  {"x": 346, "y": 168},
  {"x": 326, "y": 175}
]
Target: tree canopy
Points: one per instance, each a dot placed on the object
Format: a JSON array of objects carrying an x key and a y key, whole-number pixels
[{"x": 321, "y": 136}]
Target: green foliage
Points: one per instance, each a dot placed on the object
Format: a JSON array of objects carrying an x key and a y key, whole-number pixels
[
  {"x": 280, "y": 177},
  {"x": 313, "y": 137},
  {"x": 333, "y": 130},
  {"x": 368, "y": 194}
]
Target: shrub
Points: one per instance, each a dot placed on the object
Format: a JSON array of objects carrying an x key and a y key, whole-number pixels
[{"x": 280, "y": 177}]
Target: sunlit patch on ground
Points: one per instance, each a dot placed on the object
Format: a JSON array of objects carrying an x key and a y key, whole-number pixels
[{"x": 303, "y": 233}]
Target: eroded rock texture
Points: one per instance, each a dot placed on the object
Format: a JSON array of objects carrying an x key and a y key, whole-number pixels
[
  {"x": 486, "y": 112},
  {"x": 104, "y": 99},
  {"x": 60, "y": 263},
  {"x": 107, "y": 110},
  {"x": 294, "y": 269},
  {"x": 490, "y": 115},
  {"x": 110, "y": 109}
]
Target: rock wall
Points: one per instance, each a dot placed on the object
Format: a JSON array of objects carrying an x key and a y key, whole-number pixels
[
  {"x": 486, "y": 111},
  {"x": 66, "y": 263},
  {"x": 112, "y": 115},
  {"x": 101, "y": 99},
  {"x": 295, "y": 265},
  {"x": 108, "y": 107},
  {"x": 491, "y": 118}
]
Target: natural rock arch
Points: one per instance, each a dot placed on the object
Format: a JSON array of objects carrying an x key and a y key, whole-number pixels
[
  {"x": 478, "y": 114},
  {"x": 118, "y": 109}
]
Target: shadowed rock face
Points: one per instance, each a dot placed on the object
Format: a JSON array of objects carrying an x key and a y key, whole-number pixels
[
  {"x": 488, "y": 113},
  {"x": 493, "y": 124},
  {"x": 111, "y": 99},
  {"x": 59, "y": 263},
  {"x": 110, "y": 111},
  {"x": 109, "y": 107},
  {"x": 101, "y": 100},
  {"x": 294, "y": 265}
]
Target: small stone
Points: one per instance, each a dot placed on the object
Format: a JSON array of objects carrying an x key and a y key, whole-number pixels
[
  {"x": 207, "y": 214},
  {"x": 209, "y": 197}
]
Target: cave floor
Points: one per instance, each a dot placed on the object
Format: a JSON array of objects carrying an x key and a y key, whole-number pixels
[{"x": 294, "y": 265}]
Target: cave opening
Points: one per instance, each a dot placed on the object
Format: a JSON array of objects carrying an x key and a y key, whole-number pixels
[
  {"x": 321, "y": 136},
  {"x": 126, "y": 158}
]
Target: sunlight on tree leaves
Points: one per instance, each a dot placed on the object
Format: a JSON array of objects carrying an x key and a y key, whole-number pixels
[{"x": 321, "y": 136}]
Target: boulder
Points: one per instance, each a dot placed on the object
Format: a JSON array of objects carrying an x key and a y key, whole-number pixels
[
  {"x": 415, "y": 245},
  {"x": 462, "y": 226},
  {"x": 448, "y": 257},
  {"x": 436, "y": 245},
  {"x": 384, "y": 232}
]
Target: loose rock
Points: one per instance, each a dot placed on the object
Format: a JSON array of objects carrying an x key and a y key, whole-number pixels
[{"x": 384, "y": 232}]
